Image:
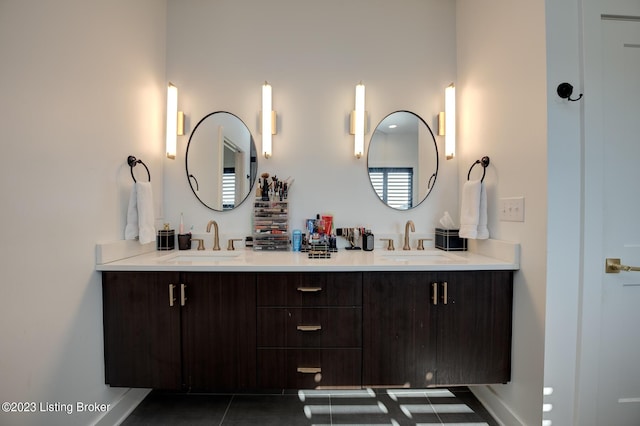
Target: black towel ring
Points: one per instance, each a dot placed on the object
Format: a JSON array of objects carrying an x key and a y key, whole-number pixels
[
  {"x": 132, "y": 161},
  {"x": 484, "y": 162}
]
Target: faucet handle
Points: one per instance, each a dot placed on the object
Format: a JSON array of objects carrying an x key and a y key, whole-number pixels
[
  {"x": 200, "y": 243},
  {"x": 421, "y": 242},
  {"x": 389, "y": 244},
  {"x": 230, "y": 243}
]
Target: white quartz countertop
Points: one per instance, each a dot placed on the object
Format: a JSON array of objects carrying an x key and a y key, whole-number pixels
[{"x": 244, "y": 260}]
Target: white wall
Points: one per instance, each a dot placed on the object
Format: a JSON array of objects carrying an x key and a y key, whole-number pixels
[
  {"x": 502, "y": 98},
  {"x": 220, "y": 52},
  {"x": 82, "y": 88}
]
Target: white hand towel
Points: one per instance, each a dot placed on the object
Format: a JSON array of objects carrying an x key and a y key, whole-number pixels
[
  {"x": 145, "y": 212},
  {"x": 483, "y": 231},
  {"x": 470, "y": 209},
  {"x": 131, "y": 230}
]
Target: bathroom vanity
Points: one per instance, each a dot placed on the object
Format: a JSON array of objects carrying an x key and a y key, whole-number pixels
[{"x": 204, "y": 321}]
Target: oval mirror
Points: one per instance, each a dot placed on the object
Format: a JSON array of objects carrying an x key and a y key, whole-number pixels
[
  {"x": 221, "y": 161},
  {"x": 402, "y": 160}
]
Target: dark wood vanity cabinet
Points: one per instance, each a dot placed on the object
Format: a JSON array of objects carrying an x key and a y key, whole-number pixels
[
  {"x": 436, "y": 328},
  {"x": 208, "y": 331},
  {"x": 474, "y": 328},
  {"x": 141, "y": 330},
  {"x": 309, "y": 329},
  {"x": 219, "y": 331},
  {"x": 398, "y": 325},
  {"x": 190, "y": 331}
]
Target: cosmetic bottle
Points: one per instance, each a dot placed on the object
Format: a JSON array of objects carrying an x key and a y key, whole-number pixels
[{"x": 297, "y": 240}]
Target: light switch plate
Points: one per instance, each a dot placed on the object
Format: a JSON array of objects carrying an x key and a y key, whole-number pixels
[{"x": 512, "y": 209}]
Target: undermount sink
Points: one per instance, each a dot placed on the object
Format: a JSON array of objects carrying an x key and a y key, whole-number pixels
[
  {"x": 203, "y": 256},
  {"x": 418, "y": 256}
]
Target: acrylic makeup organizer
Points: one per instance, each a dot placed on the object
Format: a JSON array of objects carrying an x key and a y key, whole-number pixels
[{"x": 271, "y": 224}]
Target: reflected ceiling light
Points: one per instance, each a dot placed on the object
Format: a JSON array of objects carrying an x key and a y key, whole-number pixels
[
  {"x": 358, "y": 121},
  {"x": 268, "y": 120},
  {"x": 175, "y": 122},
  {"x": 393, "y": 126},
  {"x": 450, "y": 121}
]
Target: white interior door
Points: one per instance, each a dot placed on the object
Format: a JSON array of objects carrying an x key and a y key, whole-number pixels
[{"x": 619, "y": 361}]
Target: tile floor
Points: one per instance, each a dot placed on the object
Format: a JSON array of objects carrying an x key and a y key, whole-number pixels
[{"x": 455, "y": 406}]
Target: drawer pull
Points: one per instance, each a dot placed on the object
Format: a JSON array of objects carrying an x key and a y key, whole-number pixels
[
  {"x": 434, "y": 297},
  {"x": 309, "y": 370},
  {"x": 309, "y": 327},
  {"x": 445, "y": 291},
  {"x": 309, "y": 289}
]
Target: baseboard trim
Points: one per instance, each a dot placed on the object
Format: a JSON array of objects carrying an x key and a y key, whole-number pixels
[
  {"x": 495, "y": 406},
  {"x": 121, "y": 408}
]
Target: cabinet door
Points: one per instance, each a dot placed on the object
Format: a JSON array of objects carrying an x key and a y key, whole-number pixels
[
  {"x": 398, "y": 319},
  {"x": 474, "y": 327},
  {"x": 219, "y": 331},
  {"x": 141, "y": 330}
]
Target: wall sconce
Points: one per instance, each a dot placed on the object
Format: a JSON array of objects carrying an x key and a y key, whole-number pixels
[
  {"x": 447, "y": 122},
  {"x": 269, "y": 117},
  {"x": 175, "y": 121},
  {"x": 358, "y": 122}
]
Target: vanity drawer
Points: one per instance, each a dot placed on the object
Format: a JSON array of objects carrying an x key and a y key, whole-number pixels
[
  {"x": 309, "y": 368},
  {"x": 309, "y": 289},
  {"x": 310, "y": 327}
]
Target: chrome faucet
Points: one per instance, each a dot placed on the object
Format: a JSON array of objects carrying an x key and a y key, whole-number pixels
[
  {"x": 216, "y": 238},
  {"x": 406, "y": 234}
]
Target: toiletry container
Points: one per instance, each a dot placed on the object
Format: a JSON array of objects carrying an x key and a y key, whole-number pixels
[
  {"x": 297, "y": 240},
  {"x": 184, "y": 241},
  {"x": 367, "y": 240},
  {"x": 166, "y": 238}
]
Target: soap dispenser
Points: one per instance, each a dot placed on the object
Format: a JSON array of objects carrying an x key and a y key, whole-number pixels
[{"x": 367, "y": 240}]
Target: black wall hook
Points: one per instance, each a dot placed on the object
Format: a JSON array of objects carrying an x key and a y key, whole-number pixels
[{"x": 565, "y": 90}]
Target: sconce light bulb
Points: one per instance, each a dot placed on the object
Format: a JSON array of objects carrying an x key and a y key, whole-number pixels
[
  {"x": 172, "y": 120},
  {"x": 450, "y": 121},
  {"x": 266, "y": 120},
  {"x": 359, "y": 121}
]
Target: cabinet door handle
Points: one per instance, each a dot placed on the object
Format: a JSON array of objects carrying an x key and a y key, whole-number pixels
[
  {"x": 445, "y": 292},
  {"x": 434, "y": 296},
  {"x": 309, "y": 327},
  {"x": 183, "y": 296},
  {"x": 309, "y": 370},
  {"x": 309, "y": 289},
  {"x": 171, "y": 297}
]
